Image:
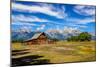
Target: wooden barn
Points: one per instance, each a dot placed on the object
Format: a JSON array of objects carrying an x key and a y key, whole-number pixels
[{"x": 38, "y": 38}]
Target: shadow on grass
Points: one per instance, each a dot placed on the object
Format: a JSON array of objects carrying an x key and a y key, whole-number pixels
[
  {"x": 29, "y": 60},
  {"x": 21, "y": 53},
  {"x": 20, "y": 50}
]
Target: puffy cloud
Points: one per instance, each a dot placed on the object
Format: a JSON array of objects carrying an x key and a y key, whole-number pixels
[
  {"x": 82, "y": 26},
  {"x": 40, "y": 28},
  {"x": 71, "y": 30},
  {"x": 64, "y": 30},
  {"x": 42, "y": 8},
  {"x": 22, "y": 29},
  {"x": 25, "y": 29},
  {"x": 85, "y": 10}
]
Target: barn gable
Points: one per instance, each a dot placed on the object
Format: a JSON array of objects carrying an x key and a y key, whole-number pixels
[{"x": 38, "y": 38}]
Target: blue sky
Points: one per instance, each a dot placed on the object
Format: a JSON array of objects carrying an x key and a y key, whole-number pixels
[{"x": 44, "y": 16}]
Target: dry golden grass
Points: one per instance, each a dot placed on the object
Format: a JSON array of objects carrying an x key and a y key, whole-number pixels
[{"x": 60, "y": 52}]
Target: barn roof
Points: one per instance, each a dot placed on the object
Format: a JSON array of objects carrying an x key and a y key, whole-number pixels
[{"x": 35, "y": 36}]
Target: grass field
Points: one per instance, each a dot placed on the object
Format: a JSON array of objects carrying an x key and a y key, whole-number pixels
[{"x": 61, "y": 52}]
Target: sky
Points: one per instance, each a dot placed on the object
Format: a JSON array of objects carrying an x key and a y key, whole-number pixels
[{"x": 37, "y": 16}]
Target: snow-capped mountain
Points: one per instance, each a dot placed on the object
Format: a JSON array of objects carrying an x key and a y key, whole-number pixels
[
  {"x": 62, "y": 34},
  {"x": 21, "y": 34},
  {"x": 51, "y": 34}
]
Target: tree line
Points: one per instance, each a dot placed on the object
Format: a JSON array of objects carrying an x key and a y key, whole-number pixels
[{"x": 84, "y": 36}]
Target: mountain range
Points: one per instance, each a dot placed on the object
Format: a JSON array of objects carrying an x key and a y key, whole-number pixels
[{"x": 21, "y": 35}]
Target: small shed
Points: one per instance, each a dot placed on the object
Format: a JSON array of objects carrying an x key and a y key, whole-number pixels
[{"x": 38, "y": 38}]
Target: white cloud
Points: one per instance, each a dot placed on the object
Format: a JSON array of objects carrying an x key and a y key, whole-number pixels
[
  {"x": 70, "y": 29},
  {"x": 29, "y": 20},
  {"x": 40, "y": 28},
  {"x": 85, "y": 21},
  {"x": 23, "y": 18},
  {"x": 23, "y": 24},
  {"x": 43, "y": 8},
  {"x": 80, "y": 21},
  {"x": 82, "y": 26},
  {"x": 64, "y": 31},
  {"x": 85, "y": 10},
  {"x": 25, "y": 29}
]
